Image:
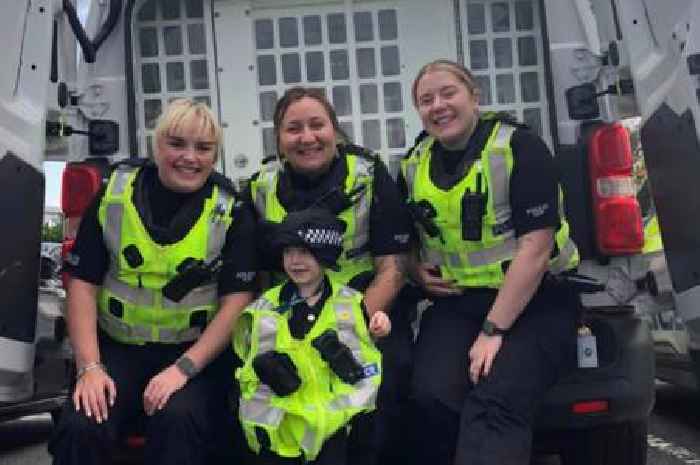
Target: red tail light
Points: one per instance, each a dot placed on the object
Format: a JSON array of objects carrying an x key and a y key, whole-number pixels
[
  {"x": 79, "y": 185},
  {"x": 616, "y": 211},
  {"x": 590, "y": 406}
]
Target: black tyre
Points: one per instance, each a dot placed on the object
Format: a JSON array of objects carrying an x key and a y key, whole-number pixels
[{"x": 621, "y": 444}]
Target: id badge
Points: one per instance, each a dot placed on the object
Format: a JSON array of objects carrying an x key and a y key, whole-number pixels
[{"x": 587, "y": 349}]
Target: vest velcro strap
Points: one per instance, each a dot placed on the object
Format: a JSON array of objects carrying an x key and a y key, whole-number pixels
[
  {"x": 495, "y": 254},
  {"x": 258, "y": 410},
  {"x": 561, "y": 262},
  {"x": 197, "y": 297},
  {"x": 140, "y": 297}
]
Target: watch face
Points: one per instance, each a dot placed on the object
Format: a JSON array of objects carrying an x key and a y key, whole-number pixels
[{"x": 490, "y": 329}]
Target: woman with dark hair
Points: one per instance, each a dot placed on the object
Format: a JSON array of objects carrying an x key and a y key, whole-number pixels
[
  {"x": 486, "y": 200},
  {"x": 317, "y": 167}
]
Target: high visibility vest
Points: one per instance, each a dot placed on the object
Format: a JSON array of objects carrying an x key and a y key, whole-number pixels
[
  {"x": 476, "y": 263},
  {"x": 131, "y": 306},
  {"x": 356, "y": 257},
  {"x": 300, "y": 423}
]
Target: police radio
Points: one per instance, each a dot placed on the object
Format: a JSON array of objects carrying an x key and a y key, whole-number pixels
[{"x": 473, "y": 210}]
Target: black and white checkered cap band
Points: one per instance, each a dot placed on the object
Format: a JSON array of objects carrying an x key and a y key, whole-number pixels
[{"x": 321, "y": 237}]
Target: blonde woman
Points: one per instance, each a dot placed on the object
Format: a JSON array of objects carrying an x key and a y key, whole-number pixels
[{"x": 139, "y": 348}]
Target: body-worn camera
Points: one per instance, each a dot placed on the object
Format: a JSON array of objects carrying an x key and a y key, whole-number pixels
[
  {"x": 338, "y": 356},
  {"x": 277, "y": 370},
  {"x": 424, "y": 213},
  {"x": 192, "y": 273}
]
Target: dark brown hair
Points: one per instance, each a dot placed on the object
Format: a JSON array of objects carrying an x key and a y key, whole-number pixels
[
  {"x": 443, "y": 64},
  {"x": 294, "y": 94}
]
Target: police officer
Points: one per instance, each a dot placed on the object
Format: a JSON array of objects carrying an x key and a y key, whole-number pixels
[
  {"x": 310, "y": 365},
  {"x": 319, "y": 168},
  {"x": 140, "y": 349},
  {"x": 485, "y": 196}
]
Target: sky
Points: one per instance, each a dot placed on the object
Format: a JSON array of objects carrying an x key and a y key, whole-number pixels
[{"x": 52, "y": 172}]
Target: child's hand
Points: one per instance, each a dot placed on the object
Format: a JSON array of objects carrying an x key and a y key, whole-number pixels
[{"x": 379, "y": 324}]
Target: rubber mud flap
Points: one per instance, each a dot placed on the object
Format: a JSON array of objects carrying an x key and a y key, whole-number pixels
[{"x": 21, "y": 210}]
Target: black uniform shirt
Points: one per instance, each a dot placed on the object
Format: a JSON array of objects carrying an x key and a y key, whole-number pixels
[
  {"x": 168, "y": 216},
  {"x": 534, "y": 197},
  {"x": 303, "y": 316},
  {"x": 389, "y": 222}
]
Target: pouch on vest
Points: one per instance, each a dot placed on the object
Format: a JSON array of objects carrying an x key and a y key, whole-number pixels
[
  {"x": 277, "y": 370},
  {"x": 338, "y": 356}
]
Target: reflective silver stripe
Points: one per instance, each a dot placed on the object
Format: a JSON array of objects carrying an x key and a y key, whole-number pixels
[
  {"x": 432, "y": 256},
  {"x": 365, "y": 396},
  {"x": 197, "y": 297},
  {"x": 117, "y": 328},
  {"x": 265, "y": 183},
  {"x": 308, "y": 443},
  {"x": 561, "y": 261},
  {"x": 136, "y": 296},
  {"x": 217, "y": 224},
  {"x": 112, "y": 229},
  {"x": 496, "y": 254},
  {"x": 498, "y": 171},
  {"x": 257, "y": 409},
  {"x": 411, "y": 168},
  {"x": 362, "y": 206},
  {"x": 262, "y": 304},
  {"x": 121, "y": 177},
  {"x": 176, "y": 336},
  {"x": 365, "y": 392}
]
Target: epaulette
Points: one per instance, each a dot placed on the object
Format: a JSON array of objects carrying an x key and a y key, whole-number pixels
[
  {"x": 359, "y": 151},
  {"x": 419, "y": 138},
  {"x": 269, "y": 158},
  {"x": 504, "y": 117},
  {"x": 132, "y": 163},
  {"x": 224, "y": 183}
]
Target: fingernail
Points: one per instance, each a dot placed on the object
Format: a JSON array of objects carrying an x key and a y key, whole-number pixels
[{"x": 88, "y": 413}]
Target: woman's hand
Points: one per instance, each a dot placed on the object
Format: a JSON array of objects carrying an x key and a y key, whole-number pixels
[
  {"x": 379, "y": 324},
  {"x": 161, "y": 387},
  {"x": 428, "y": 277},
  {"x": 94, "y": 390},
  {"x": 482, "y": 354}
]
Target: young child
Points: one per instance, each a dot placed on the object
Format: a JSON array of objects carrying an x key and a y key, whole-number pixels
[{"x": 309, "y": 363}]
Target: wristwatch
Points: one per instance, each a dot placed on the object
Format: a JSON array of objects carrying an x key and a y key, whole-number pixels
[
  {"x": 186, "y": 366},
  {"x": 490, "y": 329}
]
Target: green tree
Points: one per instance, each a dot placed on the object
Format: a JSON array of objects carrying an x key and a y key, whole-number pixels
[{"x": 52, "y": 232}]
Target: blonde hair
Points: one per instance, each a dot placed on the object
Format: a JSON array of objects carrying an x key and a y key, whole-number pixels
[
  {"x": 183, "y": 111},
  {"x": 443, "y": 64}
]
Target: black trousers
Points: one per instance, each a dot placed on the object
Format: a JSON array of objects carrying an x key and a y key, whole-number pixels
[
  {"x": 378, "y": 438},
  {"x": 195, "y": 421},
  {"x": 457, "y": 422}
]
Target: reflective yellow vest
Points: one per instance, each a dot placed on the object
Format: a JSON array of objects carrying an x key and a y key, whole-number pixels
[
  {"x": 355, "y": 258},
  {"x": 131, "y": 306},
  {"x": 299, "y": 424},
  {"x": 476, "y": 263}
]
